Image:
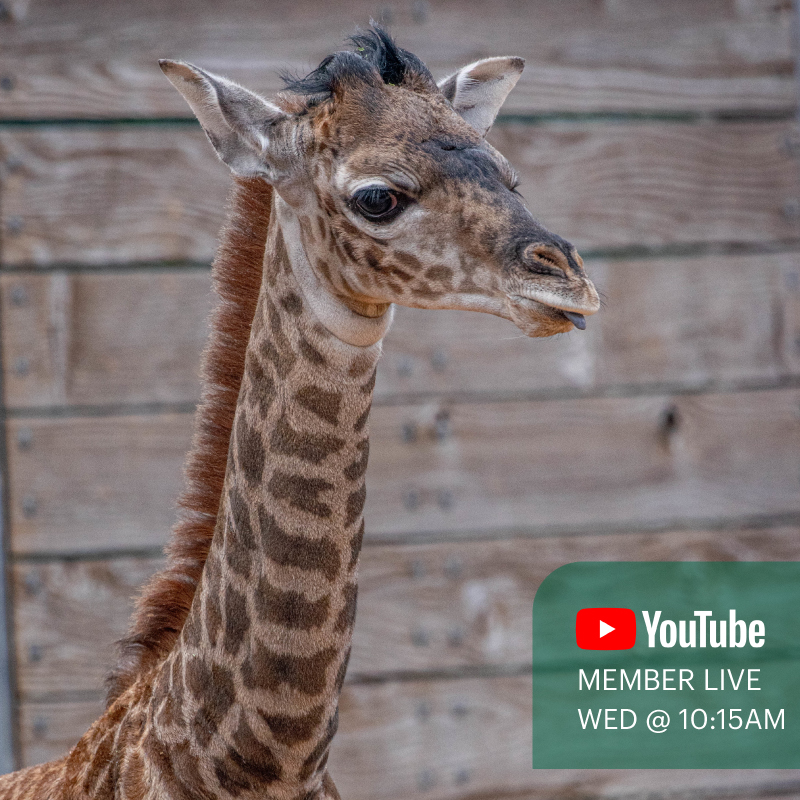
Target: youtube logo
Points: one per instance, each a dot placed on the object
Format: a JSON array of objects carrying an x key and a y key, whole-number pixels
[{"x": 605, "y": 628}]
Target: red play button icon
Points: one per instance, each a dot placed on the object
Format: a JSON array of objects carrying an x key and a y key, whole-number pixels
[{"x": 605, "y": 628}]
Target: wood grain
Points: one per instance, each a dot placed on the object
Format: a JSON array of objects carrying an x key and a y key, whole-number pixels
[
  {"x": 81, "y": 339},
  {"x": 473, "y": 496},
  {"x": 472, "y": 738},
  {"x": 48, "y": 730},
  {"x": 135, "y": 337},
  {"x": 151, "y": 193},
  {"x": 790, "y": 338},
  {"x": 445, "y": 740},
  {"x": 574, "y": 463},
  {"x": 111, "y": 195},
  {"x": 82, "y": 484},
  {"x": 87, "y": 483},
  {"x": 655, "y": 184},
  {"x": 67, "y": 617},
  {"x": 422, "y": 608},
  {"x": 81, "y": 60}
]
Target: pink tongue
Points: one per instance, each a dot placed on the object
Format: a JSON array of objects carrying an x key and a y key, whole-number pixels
[{"x": 578, "y": 320}]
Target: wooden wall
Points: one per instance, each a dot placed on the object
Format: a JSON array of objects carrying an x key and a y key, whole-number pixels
[{"x": 655, "y": 134}]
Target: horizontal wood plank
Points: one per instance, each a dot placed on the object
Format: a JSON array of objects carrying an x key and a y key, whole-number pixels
[
  {"x": 111, "y": 195},
  {"x": 433, "y": 607},
  {"x": 576, "y": 463},
  {"x": 82, "y": 60},
  {"x": 67, "y": 617},
  {"x": 48, "y": 730},
  {"x": 79, "y": 484},
  {"x": 135, "y": 337},
  {"x": 472, "y": 738},
  {"x": 790, "y": 340},
  {"x": 655, "y": 184},
  {"x": 132, "y": 193},
  {"x": 446, "y": 740},
  {"x": 79, "y": 339},
  {"x": 87, "y": 483}
]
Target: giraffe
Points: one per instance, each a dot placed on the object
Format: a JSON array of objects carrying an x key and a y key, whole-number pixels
[{"x": 365, "y": 184}]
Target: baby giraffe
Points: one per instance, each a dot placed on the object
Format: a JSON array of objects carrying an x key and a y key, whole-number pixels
[{"x": 363, "y": 185}]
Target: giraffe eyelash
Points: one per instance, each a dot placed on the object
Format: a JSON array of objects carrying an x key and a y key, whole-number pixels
[{"x": 378, "y": 204}]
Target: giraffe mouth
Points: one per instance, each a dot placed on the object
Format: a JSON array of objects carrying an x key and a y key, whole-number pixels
[
  {"x": 537, "y": 318},
  {"x": 578, "y": 320}
]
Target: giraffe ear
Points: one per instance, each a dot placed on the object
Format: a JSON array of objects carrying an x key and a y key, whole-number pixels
[
  {"x": 239, "y": 124},
  {"x": 478, "y": 90}
]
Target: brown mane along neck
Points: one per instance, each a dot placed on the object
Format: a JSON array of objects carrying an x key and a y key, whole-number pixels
[{"x": 164, "y": 604}]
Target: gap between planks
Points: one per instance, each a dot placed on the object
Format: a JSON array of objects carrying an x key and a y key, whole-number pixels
[
  {"x": 448, "y": 536},
  {"x": 421, "y": 398},
  {"x": 548, "y": 118},
  {"x": 678, "y": 250}
]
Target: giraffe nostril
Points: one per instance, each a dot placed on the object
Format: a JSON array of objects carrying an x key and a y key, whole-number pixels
[{"x": 542, "y": 256}]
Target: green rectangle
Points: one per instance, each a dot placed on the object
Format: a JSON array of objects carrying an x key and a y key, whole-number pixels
[{"x": 703, "y": 710}]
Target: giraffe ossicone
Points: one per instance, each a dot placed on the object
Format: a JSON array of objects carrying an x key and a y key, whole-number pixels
[{"x": 363, "y": 185}]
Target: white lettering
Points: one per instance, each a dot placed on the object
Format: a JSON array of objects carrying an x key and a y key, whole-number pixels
[
  {"x": 668, "y": 633},
  {"x": 582, "y": 678},
  {"x": 757, "y": 632},
  {"x": 704, "y": 615},
  {"x": 590, "y": 718},
  {"x": 630, "y": 711},
  {"x": 692, "y": 640},
  {"x": 635, "y": 678},
  {"x": 652, "y": 626},
  {"x": 737, "y": 630},
  {"x": 687, "y": 680},
  {"x": 751, "y": 679}
]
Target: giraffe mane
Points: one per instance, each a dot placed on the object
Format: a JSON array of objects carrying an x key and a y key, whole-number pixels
[
  {"x": 375, "y": 51},
  {"x": 164, "y": 604}
]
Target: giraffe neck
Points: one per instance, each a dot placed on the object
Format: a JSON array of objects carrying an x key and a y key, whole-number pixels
[
  {"x": 247, "y": 701},
  {"x": 338, "y": 318}
]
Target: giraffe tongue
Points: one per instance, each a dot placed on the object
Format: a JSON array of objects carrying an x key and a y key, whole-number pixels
[{"x": 578, "y": 320}]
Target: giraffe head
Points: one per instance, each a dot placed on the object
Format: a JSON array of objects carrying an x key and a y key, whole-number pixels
[{"x": 396, "y": 194}]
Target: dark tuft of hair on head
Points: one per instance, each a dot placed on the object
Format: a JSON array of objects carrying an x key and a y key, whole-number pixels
[{"x": 374, "y": 48}]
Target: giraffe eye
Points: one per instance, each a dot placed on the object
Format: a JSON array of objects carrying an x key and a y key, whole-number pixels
[{"x": 378, "y": 204}]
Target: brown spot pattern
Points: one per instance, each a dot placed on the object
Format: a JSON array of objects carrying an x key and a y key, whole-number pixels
[
  {"x": 250, "y": 451},
  {"x": 358, "y": 467},
  {"x": 355, "y": 505},
  {"x": 262, "y": 387},
  {"x": 306, "y": 674},
  {"x": 192, "y": 633},
  {"x": 310, "y": 353},
  {"x": 443, "y": 274},
  {"x": 361, "y": 422},
  {"x": 347, "y": 616},
  {"x": 289, "y": 608},
  {"x": 213, "y": 687},
  {"x": 297, "y": 551},
  {"x": 355, "y": 546},
  {"x": 301, "y": 492},
  {"x": 311, "y": 447},
  {"x": 292, "y": 303},
  {"x": 293, "y": 730},
  {"x": 369, "y": 386},
  {"x": 324, "y": 404},
  {"x": 249, "y": 764},
  {"x": 237, "y": 620},
  {"x": 314, "y": 759},
  {"x": 408, "y": 260},
  {"x": 213, "y": 618}
]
